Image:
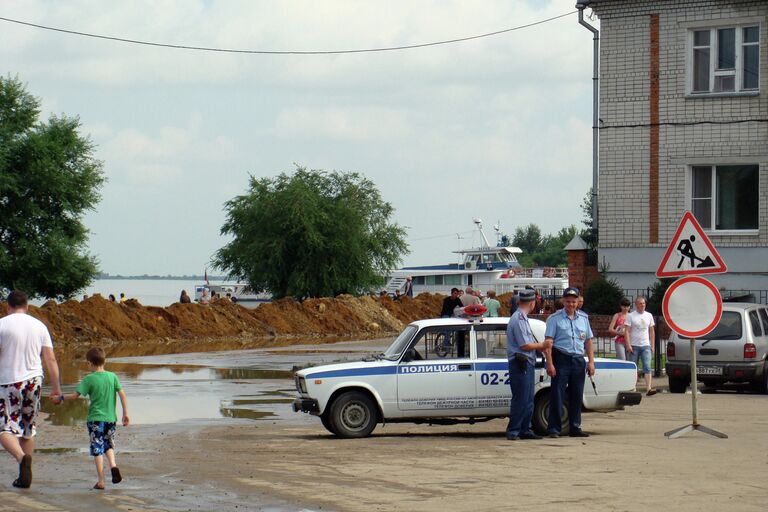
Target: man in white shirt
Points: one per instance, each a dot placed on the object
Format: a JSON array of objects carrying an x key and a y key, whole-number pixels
[
  {"x": 640, "y": 326},
  {"x": 25, "y": 344},
  {"x": 469, "y": 297}
]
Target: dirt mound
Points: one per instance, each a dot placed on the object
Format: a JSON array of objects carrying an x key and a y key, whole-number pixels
[{"x": 74, "y": 324}]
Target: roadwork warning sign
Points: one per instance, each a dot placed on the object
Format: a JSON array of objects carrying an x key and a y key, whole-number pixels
[{"x": 690, "y": 252}]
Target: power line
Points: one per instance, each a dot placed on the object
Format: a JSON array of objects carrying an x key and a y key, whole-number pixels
[
  {"x": 281, "y": 52},
  {"x": 683, "y": 123}
]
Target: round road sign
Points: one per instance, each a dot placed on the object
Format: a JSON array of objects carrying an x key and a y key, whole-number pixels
[{"x": 692, "y": 306}]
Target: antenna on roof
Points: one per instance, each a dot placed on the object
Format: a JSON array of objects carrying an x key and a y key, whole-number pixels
[{"x": 479, "y": 223}]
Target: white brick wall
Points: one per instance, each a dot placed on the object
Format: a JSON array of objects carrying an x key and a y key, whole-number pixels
[{"x": 624, "y": 97}]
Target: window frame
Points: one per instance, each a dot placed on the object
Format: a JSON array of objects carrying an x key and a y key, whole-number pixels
[
  {"x": 713, "y": 197},
  {"x": 737, "y": 72}
]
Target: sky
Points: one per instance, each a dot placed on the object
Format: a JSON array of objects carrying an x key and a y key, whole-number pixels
[{"x": 496, "y": 128}]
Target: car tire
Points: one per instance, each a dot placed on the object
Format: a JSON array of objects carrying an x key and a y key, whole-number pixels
[
  {"x": 761, "y": 385},
  {"x": 540, "y": 418},
  {"x": 326, "y": 421},
  {"x": 353, "y": 414},
  {"x": 677, "y": 385}
]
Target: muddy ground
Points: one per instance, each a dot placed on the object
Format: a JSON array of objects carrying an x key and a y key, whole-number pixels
[{"x": 294, "y": 464}]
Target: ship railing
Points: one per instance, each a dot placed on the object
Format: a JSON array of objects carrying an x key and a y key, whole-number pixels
[{"x": 537, "y": 273}]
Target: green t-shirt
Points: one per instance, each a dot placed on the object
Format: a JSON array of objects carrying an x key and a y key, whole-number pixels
[{"x": 100, "y": 388}]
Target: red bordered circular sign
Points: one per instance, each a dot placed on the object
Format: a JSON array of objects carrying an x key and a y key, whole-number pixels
[{"x": 692, "y": 306}]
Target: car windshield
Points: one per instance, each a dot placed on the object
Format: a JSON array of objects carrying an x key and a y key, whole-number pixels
[
  {"x": 729, "y": 327},
  {"x": 400, "y": 343}
]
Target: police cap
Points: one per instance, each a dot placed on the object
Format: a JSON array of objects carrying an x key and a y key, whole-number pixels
[
  {"x": 526, "y": 296},
  {"x": 571, "y": 292}
]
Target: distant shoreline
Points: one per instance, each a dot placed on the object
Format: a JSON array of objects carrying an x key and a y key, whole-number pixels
[{"x": 161, "y": 278}]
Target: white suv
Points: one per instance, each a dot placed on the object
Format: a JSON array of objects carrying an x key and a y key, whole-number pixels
[{"x": 735, "y": 351}]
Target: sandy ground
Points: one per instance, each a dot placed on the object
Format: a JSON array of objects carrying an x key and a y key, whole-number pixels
[{"x": 291, "y": 464}]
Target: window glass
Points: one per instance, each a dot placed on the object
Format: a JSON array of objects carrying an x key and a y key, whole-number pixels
[
  {"x": 726, "y": 48},
  {"x": 418, "y": 280},
  {"x": 491, "y": 341},
  {"x": 729, "y": 327},
  {"x": 441, "y": 343},
  {"x": 751, "y": 66},
  {"x": 701, "y": 195},
  {"x": 764, "y": 318},
  {"x": 751, "y": 34},
  {"x": 452, "y": 279},
  {"x": 701, "y": 69},
  {"x": 726, "y": 83},
  {"x": 701, "y": 38},
  {"x": 435, "y": 280},
  {"x": 737, "y": 197},
  {"x": 399, "y": 343},
  {"x": 754, "y": 322}
]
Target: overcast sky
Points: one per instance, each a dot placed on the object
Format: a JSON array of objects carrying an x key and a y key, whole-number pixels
[{"x": 497, "y": 128}]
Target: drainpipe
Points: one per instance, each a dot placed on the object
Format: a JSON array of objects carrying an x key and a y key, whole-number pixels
[{"x": 595, "y": 103}]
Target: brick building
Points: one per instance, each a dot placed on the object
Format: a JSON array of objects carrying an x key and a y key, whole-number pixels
[{"x": 683, "y": 126}]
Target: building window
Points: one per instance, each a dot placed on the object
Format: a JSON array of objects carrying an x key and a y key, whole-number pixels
[
  {"x": 725, "y": 60},
  {"x": 725, "y": 197}
]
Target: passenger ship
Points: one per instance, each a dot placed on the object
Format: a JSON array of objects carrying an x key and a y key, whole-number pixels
[{"x": 484, "y": 268}]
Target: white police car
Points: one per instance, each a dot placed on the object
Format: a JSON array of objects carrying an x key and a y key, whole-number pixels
[{"x": 443, "y": 371}]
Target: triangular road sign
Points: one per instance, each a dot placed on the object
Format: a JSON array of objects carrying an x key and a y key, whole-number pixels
[{"x": 691, "y": 252}]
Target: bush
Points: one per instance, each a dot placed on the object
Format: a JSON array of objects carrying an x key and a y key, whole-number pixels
[
  {"x": 658, "y": 290},
  {"x": 602, "y": 297}
]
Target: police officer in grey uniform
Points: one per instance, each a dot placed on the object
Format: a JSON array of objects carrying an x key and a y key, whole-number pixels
[{"x": 521, "y": 353}]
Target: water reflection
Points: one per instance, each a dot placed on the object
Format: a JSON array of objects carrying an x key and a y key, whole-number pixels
[{"x": 71, "y": 412}]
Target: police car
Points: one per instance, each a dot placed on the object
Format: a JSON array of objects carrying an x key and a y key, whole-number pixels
[{"x": 443, "y": 371}]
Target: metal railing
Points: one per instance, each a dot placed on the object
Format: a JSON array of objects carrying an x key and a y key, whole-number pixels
[{"x": 606, "y": 347}]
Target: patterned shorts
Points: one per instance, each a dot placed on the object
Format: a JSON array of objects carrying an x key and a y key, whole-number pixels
[
  {"x": 19, "y": 405},
  {"x": 102, "y": 434}
]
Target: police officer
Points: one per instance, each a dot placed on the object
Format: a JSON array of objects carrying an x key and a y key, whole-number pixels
[
  {"x": 571, "y": 335},
  {"x": 521, "y": 353}
]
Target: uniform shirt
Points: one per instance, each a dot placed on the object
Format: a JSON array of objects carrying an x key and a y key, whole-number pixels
[
  {"x": 518, "y": 334},
  {"x": 568, "y": 335},
  {"x": 637, "y": 325},
  {"x": 22, "y": 337},
  {"x": 100, "y": 388}
]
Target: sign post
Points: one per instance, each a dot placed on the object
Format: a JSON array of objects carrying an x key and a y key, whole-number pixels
[{"x": 692, "y": 305}]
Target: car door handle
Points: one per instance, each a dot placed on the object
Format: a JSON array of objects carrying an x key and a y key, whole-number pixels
[{"x": 465, "y": 367}]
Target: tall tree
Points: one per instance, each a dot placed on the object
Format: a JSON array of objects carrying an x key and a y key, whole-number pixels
[
  {"x": 528, "y": 238},
  {"x": 310, "y": 234},
  {"x": 590, "y": 234},
  {"x": 48, "y": 180}
]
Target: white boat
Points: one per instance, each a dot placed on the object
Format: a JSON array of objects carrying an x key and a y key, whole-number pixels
[
  {"x": 240, "y": 293},
  {"x": 485, "y": 268}
]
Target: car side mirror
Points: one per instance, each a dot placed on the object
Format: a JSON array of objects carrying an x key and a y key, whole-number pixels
[{"x": 409, "y": 355}]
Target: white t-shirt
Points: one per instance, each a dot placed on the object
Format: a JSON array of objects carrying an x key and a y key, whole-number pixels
[
  {"x": 21, "y": 339},
  {"x": 638, "y": 324}
]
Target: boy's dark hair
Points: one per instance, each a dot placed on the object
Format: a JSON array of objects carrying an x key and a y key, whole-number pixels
[
  {"x": 96, "y": 356},
  {"x": 17, "y": 299}
]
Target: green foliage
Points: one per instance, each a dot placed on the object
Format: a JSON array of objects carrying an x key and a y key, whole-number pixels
[
  {"x": 311, "y": 234},
  {"x": 658, "y": 290},
  {"x": 543, "y": 250},
  {"x": 48, "y": 180},
  {"x": 602, "y": 297},
  {"x": 590, "y": 233}
]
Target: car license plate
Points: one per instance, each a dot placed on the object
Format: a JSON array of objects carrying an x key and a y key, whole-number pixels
[{"x": 709, "y": 370}]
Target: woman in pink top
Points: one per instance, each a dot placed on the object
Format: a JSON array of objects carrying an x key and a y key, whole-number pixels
[{"x": 616, "y": 328}]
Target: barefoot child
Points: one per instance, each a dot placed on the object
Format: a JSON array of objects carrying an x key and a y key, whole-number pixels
[{"x": 100, "y": 387}]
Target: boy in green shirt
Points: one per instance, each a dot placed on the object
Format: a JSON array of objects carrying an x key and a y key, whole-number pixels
[{"x": 100, "y": 387}]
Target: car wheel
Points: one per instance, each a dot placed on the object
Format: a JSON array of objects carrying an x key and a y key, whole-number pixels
[
  {"x": 761, "y": 385},
  {"x": 326, "y": 421},
  {"x": 677, "y": 385},
  {"x": 540, "y": 418},
  {"x": 353, "y": 414}
]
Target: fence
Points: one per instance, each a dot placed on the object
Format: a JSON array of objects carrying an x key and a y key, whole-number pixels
[{"x": 605, "y": 347}]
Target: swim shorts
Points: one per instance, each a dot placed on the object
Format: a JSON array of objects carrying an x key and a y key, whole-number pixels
[
  {"x": 102, "y": 435},
  {"x": 19, "y": 405}
]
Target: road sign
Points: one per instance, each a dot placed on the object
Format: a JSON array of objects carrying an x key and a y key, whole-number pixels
[
  {"x": 692, "y": 307},
  {"x": 690, "y": 252}
]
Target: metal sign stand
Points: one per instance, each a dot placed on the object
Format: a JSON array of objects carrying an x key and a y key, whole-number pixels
[{"x": 694, "y": 395}]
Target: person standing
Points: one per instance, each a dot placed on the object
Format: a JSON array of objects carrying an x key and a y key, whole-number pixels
[
  {"x": 25, "y": 344},
  {"x": 521, "y": 355},
  {"x": 513, "y": 302},
  {"x": 184, "y": 298},
  {"x": 571, "y": 337},
  {"x": 491, "y": 304},
  {"x": 616, "y": 328},
  {"x": 123, "y": 298},
  {"x": 469, "y": 297},
  {"x": 450, "y": 303},
  {"x": 639, "y": 327},
  {"x": 408, "y": 287}
]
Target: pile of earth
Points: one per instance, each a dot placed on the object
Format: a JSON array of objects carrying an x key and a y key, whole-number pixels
[{"x": 134, "y": 329}]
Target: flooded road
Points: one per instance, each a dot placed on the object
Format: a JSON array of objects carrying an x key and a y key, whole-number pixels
[{"x": 207, "y": 387}]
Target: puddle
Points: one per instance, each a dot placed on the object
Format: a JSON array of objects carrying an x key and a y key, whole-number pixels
[
  {"x": 243, "y": 385},
  {"x": 61, "y": 450}
]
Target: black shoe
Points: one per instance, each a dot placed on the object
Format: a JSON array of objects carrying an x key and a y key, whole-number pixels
[
  {"x": 513, "y": 438},
  {"x": 553, "y": 435},
  {"x": 578, "y": 433},
  {"x": 530, "y": 435}
]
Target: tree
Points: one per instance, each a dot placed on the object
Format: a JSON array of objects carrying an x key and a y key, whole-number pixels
[
  {"x": 602, "y": 296},
  {"x": 543, "y": 250},
  {"x": 310, "y": 234},
  {"x": 48, "y": 180},
  {"x": 590, "y": 233}
]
